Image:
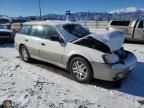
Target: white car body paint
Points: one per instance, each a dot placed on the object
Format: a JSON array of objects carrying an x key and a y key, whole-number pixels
[{"x": 59, "y": 53}]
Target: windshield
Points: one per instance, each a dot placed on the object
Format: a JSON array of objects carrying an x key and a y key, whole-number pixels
[
  {"x": 76, "y": 30},
  {"x": 4, "y": 26}
]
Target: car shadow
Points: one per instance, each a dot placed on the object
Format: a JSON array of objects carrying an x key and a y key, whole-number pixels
[
  {"x": 133, "y": 84},
  {"x": 52, "y": 68},
  {"x": 106, "y": 84}
]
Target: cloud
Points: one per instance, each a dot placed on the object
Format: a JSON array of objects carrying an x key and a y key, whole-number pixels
[{"x": 127, "y": 10}]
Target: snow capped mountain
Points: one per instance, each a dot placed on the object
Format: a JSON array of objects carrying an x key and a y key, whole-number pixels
[{"x": 127, "y": 10}]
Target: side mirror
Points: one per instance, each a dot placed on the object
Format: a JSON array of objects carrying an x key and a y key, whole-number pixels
[{"x": 57, "y": 38}]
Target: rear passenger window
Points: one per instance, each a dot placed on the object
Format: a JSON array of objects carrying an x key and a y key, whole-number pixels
[
  {"x": 36, "y": 31},
  {"x": 25, "y": 29},
  {"x": 120, "y": 23},
  {"x": 43, "y": 31}
]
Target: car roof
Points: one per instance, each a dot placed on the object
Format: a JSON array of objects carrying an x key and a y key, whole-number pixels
[{"x": 48, "y": 22}]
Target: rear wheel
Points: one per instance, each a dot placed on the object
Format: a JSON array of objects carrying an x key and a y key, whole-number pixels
[
  {"x": 24, "y": 54},
  {"x": 81, "y": 70}
]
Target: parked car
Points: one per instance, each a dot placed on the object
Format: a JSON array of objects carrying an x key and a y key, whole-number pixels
[
  {"x": 15, "y": 27},
  {"x": 133, "y": 30},
  {"x": 72, "y": 47},
  {"x": 6, "y": 34}
]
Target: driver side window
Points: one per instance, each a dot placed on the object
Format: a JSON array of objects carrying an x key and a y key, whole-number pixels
[{"x": 49, "y": 31}]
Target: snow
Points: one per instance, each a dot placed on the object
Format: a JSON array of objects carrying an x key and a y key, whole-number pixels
[
  {"x": 127, "y": 10},
  {"x": 42, "y": 85}
]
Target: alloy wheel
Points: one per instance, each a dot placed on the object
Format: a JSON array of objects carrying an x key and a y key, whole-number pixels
[{"x": 80, "y": 70}]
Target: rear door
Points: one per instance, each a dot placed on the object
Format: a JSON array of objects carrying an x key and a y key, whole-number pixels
[
  {"x": 25, "y": 37},
  {"x": 29, "y": 36},
  {"x": 139, "y": 31}
]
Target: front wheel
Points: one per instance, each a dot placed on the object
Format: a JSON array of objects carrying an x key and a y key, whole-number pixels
[
  {"x": 24, "y": 54},
  {"x": 81, "y": 70}
]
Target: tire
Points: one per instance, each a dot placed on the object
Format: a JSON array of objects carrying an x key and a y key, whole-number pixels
[
  {"x": 24, "y": 54},
  {"x": 81, "y": 70}
]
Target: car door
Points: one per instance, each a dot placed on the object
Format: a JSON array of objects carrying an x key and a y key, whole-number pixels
[
  {"x": 26, "y": 37},
  {"x": 51, "y": 50},
  {"x": 32, "y": 40},
  {"x": 139, "y": 31}
]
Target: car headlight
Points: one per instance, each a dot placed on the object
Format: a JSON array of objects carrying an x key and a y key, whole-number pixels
[{"x": 110, "y": 58}]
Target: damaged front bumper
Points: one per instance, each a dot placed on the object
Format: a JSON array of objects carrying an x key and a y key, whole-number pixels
[{"x": 116, "y": 71}]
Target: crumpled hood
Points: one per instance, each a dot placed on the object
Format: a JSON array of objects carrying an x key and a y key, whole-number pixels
[{"x": 114, "y": 40}]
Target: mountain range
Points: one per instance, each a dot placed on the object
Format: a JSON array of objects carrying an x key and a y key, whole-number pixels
[{"x": 130, "y": 13}]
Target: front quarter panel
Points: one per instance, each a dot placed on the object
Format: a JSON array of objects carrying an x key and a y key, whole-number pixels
[{"x": 90, "y": 54}]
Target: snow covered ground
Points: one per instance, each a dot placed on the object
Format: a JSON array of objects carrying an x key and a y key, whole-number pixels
[{"x": 42, "y": 85}]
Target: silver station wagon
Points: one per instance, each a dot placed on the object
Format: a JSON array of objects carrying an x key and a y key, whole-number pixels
[{"x": 74, "y": 48}]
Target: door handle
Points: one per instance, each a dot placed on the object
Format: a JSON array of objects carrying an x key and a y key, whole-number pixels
[
  {"x": 43, "y": 44},
  {"x": 26, "y": 40}
]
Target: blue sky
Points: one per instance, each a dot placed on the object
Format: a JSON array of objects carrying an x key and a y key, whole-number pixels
[{"x": 30, "y": 7}]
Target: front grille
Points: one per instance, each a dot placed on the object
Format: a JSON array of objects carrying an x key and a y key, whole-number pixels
[
  {"x": 5, "y": 34},
  {"x": 122, "y": 55}
]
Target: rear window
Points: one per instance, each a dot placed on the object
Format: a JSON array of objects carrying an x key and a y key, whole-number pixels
[
  {"x": 4, "y": 21},
  {"x": 120, "y": 23},
  {"x": 25, "y": 29},
  {"x": 4, "y": 26}
]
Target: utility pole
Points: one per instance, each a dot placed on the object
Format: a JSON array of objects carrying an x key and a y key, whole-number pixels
[
  {"x": 87, "y": 18},
  {"x": 87, "y": 15},
  {"x": 40, "y": 10}
]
